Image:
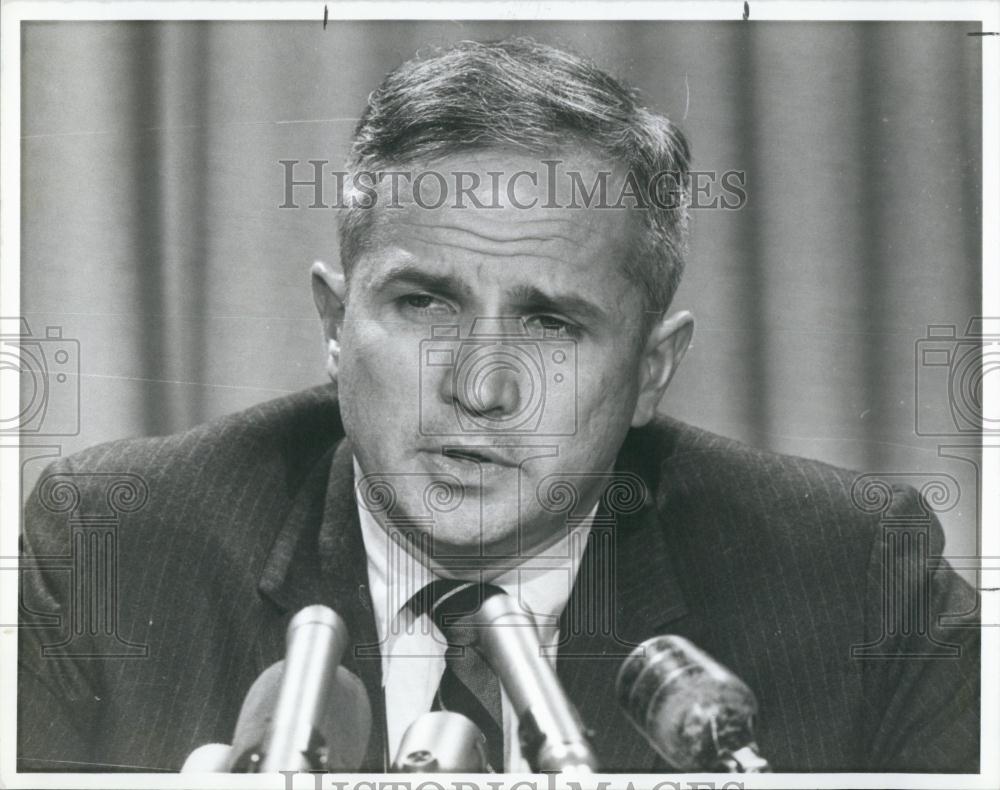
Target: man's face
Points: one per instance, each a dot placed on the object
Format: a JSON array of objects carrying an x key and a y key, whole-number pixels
[{"x": 486, "y": 421}]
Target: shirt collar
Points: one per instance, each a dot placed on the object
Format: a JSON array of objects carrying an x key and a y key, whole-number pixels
[{"x": 541, "y": 584}]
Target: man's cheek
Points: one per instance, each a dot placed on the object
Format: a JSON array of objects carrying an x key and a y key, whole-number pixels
[
  {"x": 604, "y": 390},
  {"x": 381, "y": 355}
]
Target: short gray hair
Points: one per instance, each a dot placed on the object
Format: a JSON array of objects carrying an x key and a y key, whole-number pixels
[{"x": 519, "y": 93}]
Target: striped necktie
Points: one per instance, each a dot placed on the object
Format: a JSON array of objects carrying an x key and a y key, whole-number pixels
[{"x": 468, "y": 686}]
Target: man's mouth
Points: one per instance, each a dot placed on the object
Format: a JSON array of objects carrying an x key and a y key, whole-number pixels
[{"x": 477, "y": 455}]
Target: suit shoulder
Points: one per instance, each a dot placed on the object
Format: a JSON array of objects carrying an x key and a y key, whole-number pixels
[
  {"x": 680, "y": 448},
  {"x": 766, "y": 491},
  {"x": 776, "y": 522},
  {"x": 215, "y": 473},
  {"x": 223, "y": 488},
  {"x": 295, "y": 430}
]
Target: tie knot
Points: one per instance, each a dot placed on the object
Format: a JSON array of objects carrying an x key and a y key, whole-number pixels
[{"x": 448, "y": 602}]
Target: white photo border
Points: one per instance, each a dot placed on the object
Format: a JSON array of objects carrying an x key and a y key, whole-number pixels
[{"x": 14, "y": 13}]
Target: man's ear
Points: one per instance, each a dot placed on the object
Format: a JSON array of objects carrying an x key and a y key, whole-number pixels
[
  {"x": 665, "y": 347},
  {"x": 329, "y": 289}
]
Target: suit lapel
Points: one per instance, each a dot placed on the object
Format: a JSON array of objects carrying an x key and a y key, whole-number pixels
[
  {"x": 345, "y": 567},
  {"x": 625, "y": 592},
  {"x": 319, "y": 557}
]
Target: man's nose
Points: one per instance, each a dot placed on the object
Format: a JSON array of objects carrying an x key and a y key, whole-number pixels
[{"x": 487, "y": 386}]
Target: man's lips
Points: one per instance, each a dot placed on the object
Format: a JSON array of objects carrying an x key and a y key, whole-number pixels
[{"x": 473, "y": 454}]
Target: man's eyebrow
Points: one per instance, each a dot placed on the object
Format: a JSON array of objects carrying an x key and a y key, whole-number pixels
[
  {"x": 528, "y": 299},
  {"x": 521, "y": 298},
  {"x": 412, "y": 274}
]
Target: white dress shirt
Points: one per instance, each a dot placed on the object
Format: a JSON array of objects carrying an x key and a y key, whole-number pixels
[{"x": 413, "y": 649}]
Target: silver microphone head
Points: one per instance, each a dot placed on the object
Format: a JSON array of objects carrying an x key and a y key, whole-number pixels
[
  {"x": 305, "y": 712},
  {"x": 441, "y": 742},
  {"x": 552, "y": 735},
  {"x": 342, "y": 728},
  {"x": 316, "y": 640}
]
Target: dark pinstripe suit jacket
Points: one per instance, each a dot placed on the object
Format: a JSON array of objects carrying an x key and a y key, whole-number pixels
[{"x": 211, "y": 539}]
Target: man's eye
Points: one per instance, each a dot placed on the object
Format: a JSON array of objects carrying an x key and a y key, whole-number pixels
[
  {"x": 550, "y": 326},
  {"x": 419, "y": 301},
  {"x": 423, "y": 304}
]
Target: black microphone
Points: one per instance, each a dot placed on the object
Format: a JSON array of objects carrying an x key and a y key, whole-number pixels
[
  {"x": 696, "y": 713},
  {"x": 553, "y": 739},
  {"x": 306, "y": 712},
  {"x": 441, "y": 742}
]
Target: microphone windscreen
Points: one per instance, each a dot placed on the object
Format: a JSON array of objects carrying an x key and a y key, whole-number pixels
[
  {"x": 255, "y": 718},
  {"x": 441, "y": 742},
  {"x": 347, "y": 724},
  {"x": 692, "y": 709},
  {"x": 210, "y": 758},
  {"x": 344, "y": 727}
]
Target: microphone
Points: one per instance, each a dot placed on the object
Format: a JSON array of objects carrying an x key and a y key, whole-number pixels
[
  {"x": 306, "y": 712},
  {"x": 254, "y": 720},
  {"x": 441, "y": 742},
  {"x": 209, "y": 758},
  {"x": 553, "y": 739},
  {"x": 696, "y": 713}
]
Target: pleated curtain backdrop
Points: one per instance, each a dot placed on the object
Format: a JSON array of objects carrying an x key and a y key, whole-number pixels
[{"x": 151, "y": 231}]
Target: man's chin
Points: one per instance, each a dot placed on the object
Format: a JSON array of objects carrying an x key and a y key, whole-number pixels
[
  {"x": 456, "y": 556},
  {"x": 455, "y": 528}
]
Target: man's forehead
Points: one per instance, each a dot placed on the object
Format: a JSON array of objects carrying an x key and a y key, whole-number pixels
[
  {"x": 495, "y": 203},
  {"x": 550, "y": 184},
  {"x": 503, "y": 231},
  {"x": 506, "y": 244}
]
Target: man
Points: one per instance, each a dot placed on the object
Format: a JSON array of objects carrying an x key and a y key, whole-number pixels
[{"x": 498, "y": 332}]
